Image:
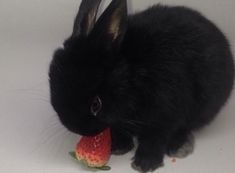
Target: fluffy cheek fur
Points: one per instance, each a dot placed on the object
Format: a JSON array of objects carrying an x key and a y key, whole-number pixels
[{"x": 120, "y": 99}]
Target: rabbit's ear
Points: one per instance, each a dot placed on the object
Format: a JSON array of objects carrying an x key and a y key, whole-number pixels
[
  {"x": 86, "y": 17},
  {"x": 111, "y": 26}
]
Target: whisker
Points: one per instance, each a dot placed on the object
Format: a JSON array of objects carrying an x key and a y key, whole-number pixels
[
  {"x": 41, "y": 99},
  {"x": 47, "y": 140},
  {"x": 124, "y": 130},
  {"x": 134, "y": 123},
  {"x": 138, "y": 122},
  {"x": 50, "y": 131},
  {"x": 62, "y": 141}
]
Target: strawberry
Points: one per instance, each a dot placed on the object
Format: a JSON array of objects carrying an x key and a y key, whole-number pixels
[{"x": 94, "y": 151}]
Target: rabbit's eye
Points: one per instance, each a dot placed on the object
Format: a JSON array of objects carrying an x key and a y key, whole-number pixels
[{"x": 96, "y": 105}]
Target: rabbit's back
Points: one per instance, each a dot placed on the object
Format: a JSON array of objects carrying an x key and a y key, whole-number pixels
[{"x": 177, "y": 51}]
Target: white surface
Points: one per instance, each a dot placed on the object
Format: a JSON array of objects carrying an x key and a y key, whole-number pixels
[{"x": 32, "y": 139}]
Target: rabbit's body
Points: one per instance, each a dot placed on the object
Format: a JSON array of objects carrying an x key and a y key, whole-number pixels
[
  {"x": 156, "y": 75},
  {"x": 180, "y": 62}
]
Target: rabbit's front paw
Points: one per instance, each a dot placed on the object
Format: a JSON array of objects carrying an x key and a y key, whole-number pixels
[{"x": 146, "y": 163}]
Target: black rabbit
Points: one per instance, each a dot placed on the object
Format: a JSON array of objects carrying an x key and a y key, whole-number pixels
[{"x": 156, "y": 75}]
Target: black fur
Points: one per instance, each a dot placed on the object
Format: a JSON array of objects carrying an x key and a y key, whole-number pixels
[{"x": 160, "y": 74}]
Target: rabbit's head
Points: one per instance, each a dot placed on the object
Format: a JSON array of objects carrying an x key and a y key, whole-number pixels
[{"x": 88, "y": 77}]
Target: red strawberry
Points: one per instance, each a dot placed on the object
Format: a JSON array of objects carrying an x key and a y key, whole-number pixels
[{"x": 94, "y": 151}]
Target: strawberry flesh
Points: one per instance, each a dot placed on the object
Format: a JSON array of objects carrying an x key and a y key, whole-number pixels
[{"x": 95, "y": 151}]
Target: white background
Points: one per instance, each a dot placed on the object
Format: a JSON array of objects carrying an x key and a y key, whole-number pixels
[{"x": 32, "y": 139}]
